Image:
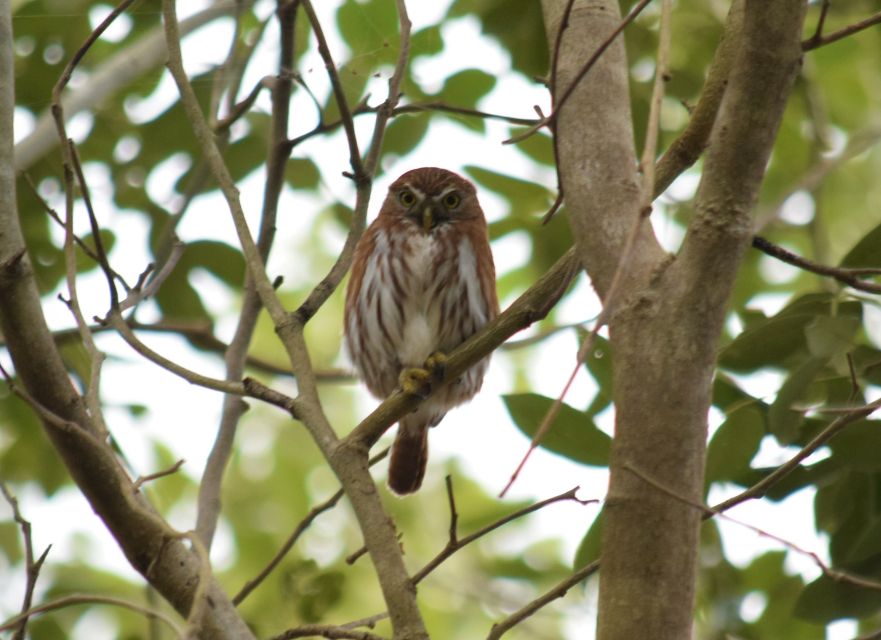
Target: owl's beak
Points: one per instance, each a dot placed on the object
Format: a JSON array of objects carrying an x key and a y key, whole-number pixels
[{"x": 428, "y": 218}]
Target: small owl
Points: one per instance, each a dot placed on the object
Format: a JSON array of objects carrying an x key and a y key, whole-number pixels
[{"x": 423, "y": 281}]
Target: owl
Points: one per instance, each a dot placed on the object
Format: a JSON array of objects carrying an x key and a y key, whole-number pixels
[{"x": 423, "y": 281}]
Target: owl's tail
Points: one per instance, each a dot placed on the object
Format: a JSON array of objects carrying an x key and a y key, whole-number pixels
[{"x": 409, "y": 456}]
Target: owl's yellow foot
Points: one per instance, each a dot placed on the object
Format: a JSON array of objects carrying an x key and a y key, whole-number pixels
[
  {"x": 417, "y": 381},
  {"x": 436, "y": 365}
]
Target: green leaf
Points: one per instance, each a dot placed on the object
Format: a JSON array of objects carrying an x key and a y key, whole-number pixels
[
  {"x": 466, "y": 88},
  {"x": 519, "y": 27},
  {"x": 526, "y": 198},
  {"x": 858, "y": 446},
  {"x": 770, "y": 341},
  {"x": 572, "y": 435},
  {"x": 734, "y": 444},
  {"x": 10, "y": 542},
  {"x": 825, "y": 600},
  {"x": 222, "y": 260},
  {"x": 829, "y": 336},
  {"x": 302, "y": 173},
  {"x": 868, "y": 544},
  {"x": 589, "y": 547},
  {"x": 866, "y": 252},
  {"x": 538, "y": 146},
  {"x": 784, "y": 420},
  {"x": 405, "y": 133}
]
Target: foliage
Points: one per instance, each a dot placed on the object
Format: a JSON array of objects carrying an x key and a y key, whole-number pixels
[{"x": 812, "y": 344}]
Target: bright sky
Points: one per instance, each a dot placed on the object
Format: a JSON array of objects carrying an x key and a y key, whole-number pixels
[{"x": 479, "y": 434}]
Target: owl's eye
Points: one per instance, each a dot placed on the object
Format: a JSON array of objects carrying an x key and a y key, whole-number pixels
[
  {"x": 452, "y": 200},
  {"x": 406, "y": 197}
]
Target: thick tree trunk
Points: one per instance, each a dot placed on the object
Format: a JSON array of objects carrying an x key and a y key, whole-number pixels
[{"x": 670, "y": 311}]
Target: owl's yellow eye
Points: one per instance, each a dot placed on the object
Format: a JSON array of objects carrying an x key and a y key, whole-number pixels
[
  {"x": 406, "y": 197},
  {"x": 452, "y": 200}
]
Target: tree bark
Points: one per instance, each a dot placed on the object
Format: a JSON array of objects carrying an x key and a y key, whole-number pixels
[
  {"x": 670, "y": 311},
  {"x": 150, "y": 545}
]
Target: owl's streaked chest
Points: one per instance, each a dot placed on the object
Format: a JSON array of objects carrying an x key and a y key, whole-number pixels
[{"x": 421, "y": 304}]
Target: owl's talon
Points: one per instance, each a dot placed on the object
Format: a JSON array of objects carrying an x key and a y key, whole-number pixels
[
  {"x": 436, "y": 365},
  {"x": 416, "y": 381}
]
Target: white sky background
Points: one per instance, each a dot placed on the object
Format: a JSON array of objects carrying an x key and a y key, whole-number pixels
[{"x": 494, "y": 446}]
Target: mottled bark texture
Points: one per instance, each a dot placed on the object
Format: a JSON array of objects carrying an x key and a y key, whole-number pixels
[{"x": 669, "y": 312}]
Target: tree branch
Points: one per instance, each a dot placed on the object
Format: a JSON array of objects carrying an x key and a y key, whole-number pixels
[
  {"x": 120, "y": 70},
  {"x": 819, "y": 40},
  {"x": 32, "y": 567},
  {"x": 209, "y": 503},
  {"x": 558, "y": 591},
  {"x": 143, "y": 536},
  {"x": 850, "y": 277},
  {"x": 69, "y": 601},
  {"x": 454, "y": 543}
]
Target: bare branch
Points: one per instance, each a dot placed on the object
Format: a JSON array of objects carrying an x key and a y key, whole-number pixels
[
  {"x": 818, "y": 40},
  {"x": 454, "y": 543},
  {"x": 209, "y": 502},
  {"x": 562, "y": 98},
  {"x": 841, "y": 274},
  {"x": 558, "y": 591},
  {"x": 338, "y": 93},
  {"x": 108, "y": 77},
  {"x": 32, "y": 567},
  {"x": 159, "y": 474},
  {"x": 69, "y": 601},
  {"x": 298, "y": 531},
  {"x": 326, "y": 631},
  {"x": 761, "y": 488},
  {"x": 364, "y": 180},
  {"x": 709, "y": 512}
]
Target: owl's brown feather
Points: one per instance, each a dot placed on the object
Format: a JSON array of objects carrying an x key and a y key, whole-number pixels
[{"x": 422, "y": 281}]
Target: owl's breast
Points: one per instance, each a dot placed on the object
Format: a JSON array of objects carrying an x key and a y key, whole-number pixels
[{"x": 421, "y": 311}]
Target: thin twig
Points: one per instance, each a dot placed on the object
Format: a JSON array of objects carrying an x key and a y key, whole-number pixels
[
  {"x": 609, "y": 306},
  {"x": 159, "y": 474},
  {"x": 292, "y": 539},
  {"x": 32, "y": 567},
  {"x": 415, "y": 107},
  {"x": 551, "y": 119},
  {"x": 841, "y": 274},
  {"x": 761, "y": 488},
  {"x": 554, "y": 593},
  {"x": 454, "y": 514},
  {"x": 326, "y": 631},
  {"x": 364, "y": 180},
  {"x": 454, "y": 544},
  {"x": 202, "y": 337},
  {"x": 815, "y": 42},
  {"x": 650, "y": 148},
  {"x": 821, "y": 20},
  {"x": 103, "y": 260},
  {"x": 84, "y": 247},
  {"x": 338, "y": 92},
  {"x": 69, "y": 601},
  {"x": 235, "y": 357},
  {"x": 710, "y": 512}
]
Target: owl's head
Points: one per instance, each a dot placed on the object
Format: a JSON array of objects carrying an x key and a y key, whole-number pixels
[{"x": 431, "y": 197}]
